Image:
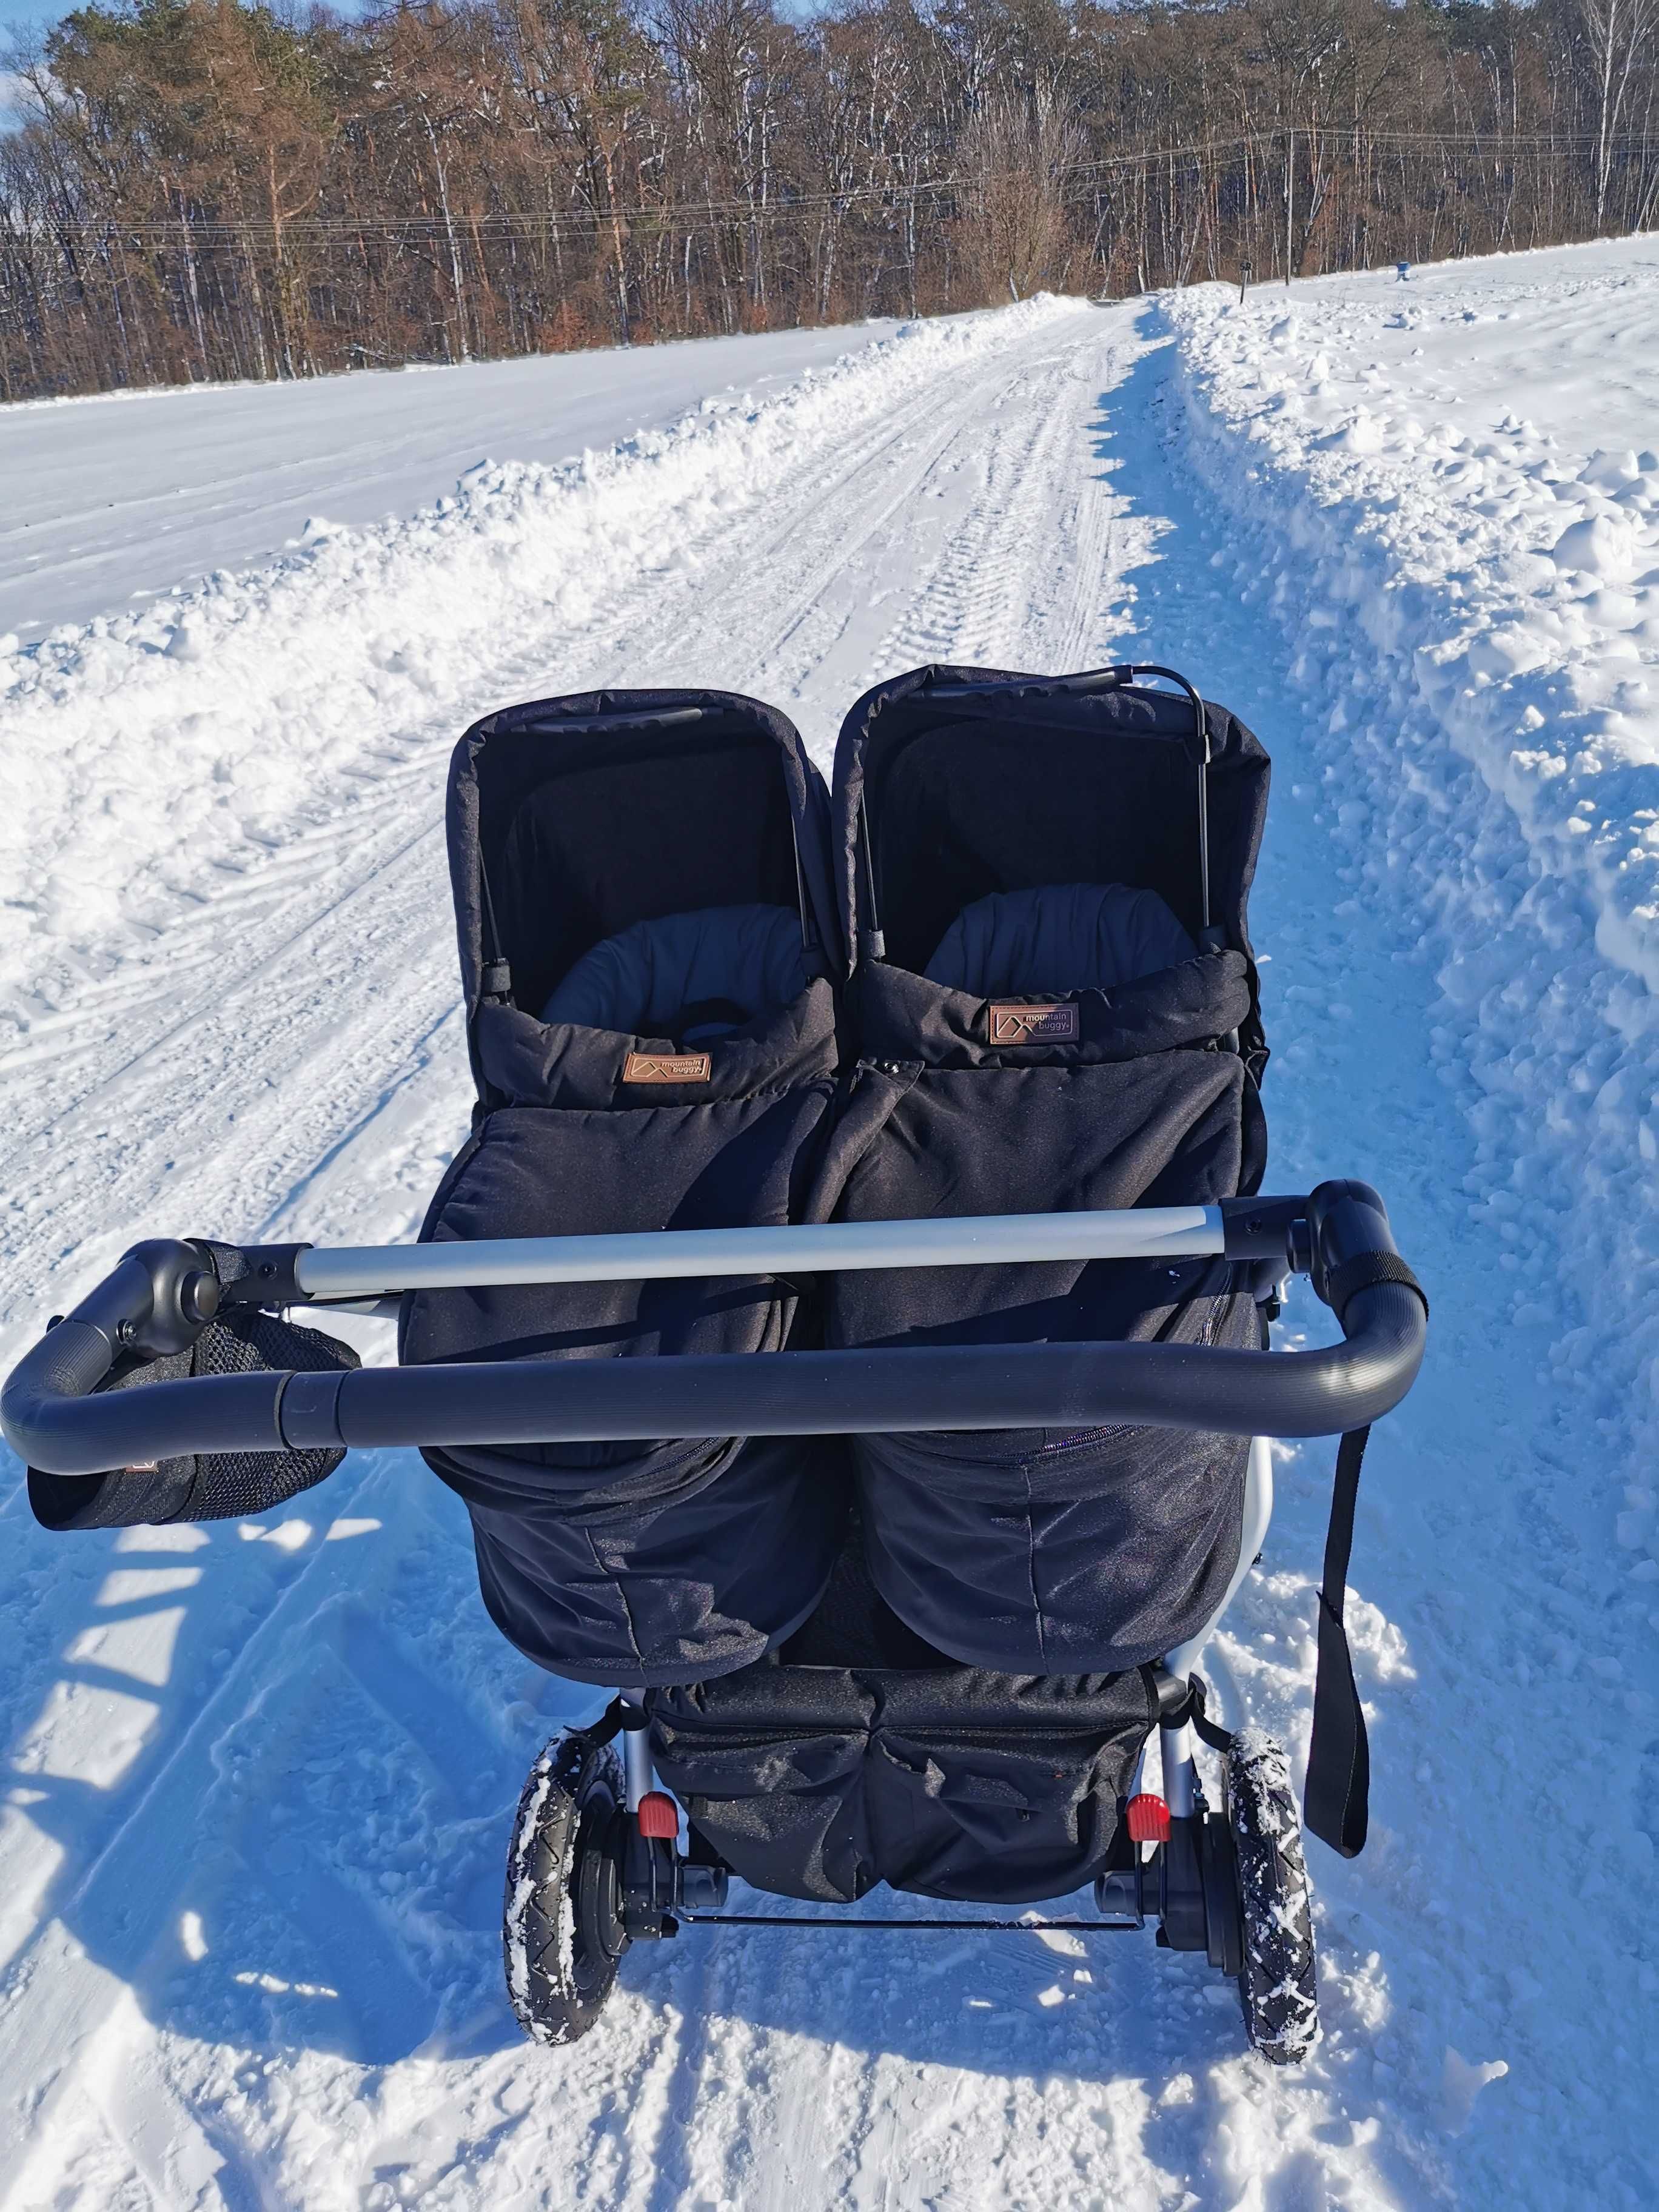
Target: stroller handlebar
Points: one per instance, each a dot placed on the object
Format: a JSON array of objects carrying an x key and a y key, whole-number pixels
[{"x": 162, "y": 1294}]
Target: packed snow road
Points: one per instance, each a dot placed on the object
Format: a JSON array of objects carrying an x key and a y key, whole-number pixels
[{"x": 261, "y": 1773}]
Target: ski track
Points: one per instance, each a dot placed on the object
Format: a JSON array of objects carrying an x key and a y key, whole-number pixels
[{"x": 261, "y": 1773}]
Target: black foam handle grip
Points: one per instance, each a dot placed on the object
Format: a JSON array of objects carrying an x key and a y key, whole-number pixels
[{"x": 54, "y": 1424}]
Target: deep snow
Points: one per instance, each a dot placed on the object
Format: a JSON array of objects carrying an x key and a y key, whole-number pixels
[{"x": 262, "y": 1775}]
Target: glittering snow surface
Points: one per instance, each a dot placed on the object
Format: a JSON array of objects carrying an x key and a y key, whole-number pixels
[{"x": 262, "y": 1775}]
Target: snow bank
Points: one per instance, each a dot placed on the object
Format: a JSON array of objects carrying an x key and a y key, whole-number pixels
[
  {"x": 1478, "y": 607},
  {"x": 146, "y": 750},
  {"x": 113, "y": 497}
]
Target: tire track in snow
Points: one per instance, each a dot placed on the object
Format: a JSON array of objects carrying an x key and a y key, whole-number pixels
[{"x": 369, "y": 890}]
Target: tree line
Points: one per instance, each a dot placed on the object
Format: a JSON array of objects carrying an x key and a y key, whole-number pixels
[{"x": 195, "y": 189}]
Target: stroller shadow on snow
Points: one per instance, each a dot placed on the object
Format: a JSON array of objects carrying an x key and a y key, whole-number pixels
[
  {"x": 336, "y": 1799},
  {"x": 278, "y": 1937}
]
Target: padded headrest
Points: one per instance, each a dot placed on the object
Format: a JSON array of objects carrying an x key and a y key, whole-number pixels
[
  {"x": 714, "y": 969},
  {"x": 1059, "y": 937}
]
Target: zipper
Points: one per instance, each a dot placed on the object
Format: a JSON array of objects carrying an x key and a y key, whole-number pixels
[{"x": 740, "y": 1739}]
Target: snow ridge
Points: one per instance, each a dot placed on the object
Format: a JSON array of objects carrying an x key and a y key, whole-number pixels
[{"x": 1478, "y": 596}]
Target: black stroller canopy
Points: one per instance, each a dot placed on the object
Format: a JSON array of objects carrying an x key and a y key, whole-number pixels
[
  {"x": 967, "y": 781},
  {"x": 572, "y": 819}
]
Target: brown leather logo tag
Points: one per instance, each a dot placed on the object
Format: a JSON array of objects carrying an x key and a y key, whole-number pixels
[
  {"x": 1033, "y": 1024},
  {"x": 666, "y": 1067}
]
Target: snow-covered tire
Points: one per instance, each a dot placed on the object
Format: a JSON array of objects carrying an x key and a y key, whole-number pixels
[
  {"x": 562, "y": 1931},
  {"x": 1277, "y": 1981}
]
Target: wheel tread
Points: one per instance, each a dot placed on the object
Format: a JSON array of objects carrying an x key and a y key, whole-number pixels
[
  {"x": 550, "y": 1999},
  {"x": 1278, "y": 1982}
]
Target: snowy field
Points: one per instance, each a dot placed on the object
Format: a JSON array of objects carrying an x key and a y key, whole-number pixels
[
  {"x": 250, "y": 1860},
  {"x": 117, "y": 498}
]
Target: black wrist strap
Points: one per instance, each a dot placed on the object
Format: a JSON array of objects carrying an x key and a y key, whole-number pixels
[{"x": 1335, "y": 1804}]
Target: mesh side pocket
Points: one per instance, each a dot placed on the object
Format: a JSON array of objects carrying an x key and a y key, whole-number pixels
[{"x": 204, "y": 1486}]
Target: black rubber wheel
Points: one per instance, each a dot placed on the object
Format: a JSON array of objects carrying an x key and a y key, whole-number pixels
[
  {"x": 1277, "y": 1980},
  {"x": 562, "y": 1931}
]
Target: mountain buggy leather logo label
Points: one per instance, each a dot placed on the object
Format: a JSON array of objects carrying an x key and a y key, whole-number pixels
[
  {"x": 666, "y": 1067},
  {"x": 1033, "y": 1024}
]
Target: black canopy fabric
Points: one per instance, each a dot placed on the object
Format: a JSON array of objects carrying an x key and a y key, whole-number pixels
[
  {"x": 974, "y": 781},
  {"x": 1043, "y": 1552},
  {"x": 573, "y": 821}
]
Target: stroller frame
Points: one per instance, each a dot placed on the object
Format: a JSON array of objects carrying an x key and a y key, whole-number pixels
[
  {"x": 597, "y": 1861},
  {"x": 163, "y": 1292}
]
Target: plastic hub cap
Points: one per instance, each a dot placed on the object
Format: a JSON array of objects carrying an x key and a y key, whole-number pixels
[{"x": 600, "y": 1937}]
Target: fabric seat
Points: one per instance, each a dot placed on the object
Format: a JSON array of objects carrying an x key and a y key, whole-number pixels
[
  {"x": 648, "y": 935},
  {"x": 687, "y": 976},
  {"x": 1058, "y": 938},
  {"x": 1046, "y": 1019}
]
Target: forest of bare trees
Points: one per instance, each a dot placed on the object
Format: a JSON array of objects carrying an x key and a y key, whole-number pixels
[{"x": 197, "y": 189}]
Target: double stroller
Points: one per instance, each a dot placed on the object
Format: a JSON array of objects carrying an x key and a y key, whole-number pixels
[{"x": 888, "y": 1158}]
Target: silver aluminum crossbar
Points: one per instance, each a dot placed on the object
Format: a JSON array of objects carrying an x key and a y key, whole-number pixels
[{"x": 1151, "y": 1232}]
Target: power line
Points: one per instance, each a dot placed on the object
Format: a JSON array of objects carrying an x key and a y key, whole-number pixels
[{"x": 504, "y": 225}]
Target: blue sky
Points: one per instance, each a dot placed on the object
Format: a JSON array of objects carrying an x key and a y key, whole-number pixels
[
  {"x": 27, "y": 14},
  {"x": 21, "y": 14}
]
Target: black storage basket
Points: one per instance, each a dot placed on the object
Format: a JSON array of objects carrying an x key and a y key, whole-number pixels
[{"x": 949, "y": 1781}]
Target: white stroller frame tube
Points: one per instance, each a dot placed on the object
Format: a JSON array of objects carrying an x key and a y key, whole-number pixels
[
  {"x": 1258, "y": 1513},
  {"x": 636, "y": 1759},
  {"x": 1180, "y": 1775},
  {"x": 1151, "y": 1232}
]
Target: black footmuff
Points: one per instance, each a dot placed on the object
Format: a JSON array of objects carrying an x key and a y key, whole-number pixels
[
  {"x": 1053, "y": 1009},
  {"x": 643, "y": 897}
]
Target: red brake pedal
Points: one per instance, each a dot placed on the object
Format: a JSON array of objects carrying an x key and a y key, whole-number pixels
[
  {"x": 1147, "y": 1818},
  {"x": 659, "y": 1816}
]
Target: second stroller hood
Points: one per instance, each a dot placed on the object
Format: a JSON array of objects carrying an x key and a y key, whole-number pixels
[
  {"x": 1045, "y": 1017},
  {"x": 954, "y": 784}
]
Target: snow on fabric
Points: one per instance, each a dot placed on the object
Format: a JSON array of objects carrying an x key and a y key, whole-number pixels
[{"x": 264, "y": 1776}]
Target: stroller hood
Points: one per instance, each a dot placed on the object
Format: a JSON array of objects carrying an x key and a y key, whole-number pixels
[
  {"x": 572, "y": 820},
  {"x": 954, "y": 784},
  {"x": 644, "y": 900}
]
